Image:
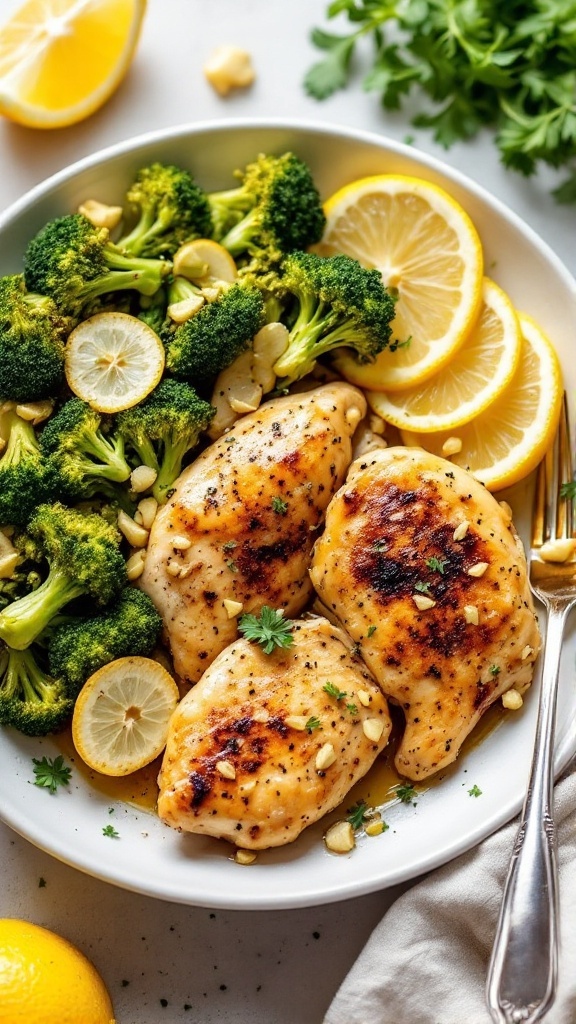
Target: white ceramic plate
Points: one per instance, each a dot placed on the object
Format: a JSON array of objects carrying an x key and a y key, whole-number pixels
[{"x": 149, "y": 857}]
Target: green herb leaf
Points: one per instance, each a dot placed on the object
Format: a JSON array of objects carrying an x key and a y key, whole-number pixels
[
  {"x": 405, "y": 792},
  {"x": 422, "y": 588},
  {"x": 357, "y": 814},
  {"x": 111, "y": 832},
  {"x": 51, "y": 773},
  {"x": 474, "y": 791},
  {"x": 270, "y": 629},
  {"x": 495, "y": 670},
  {"x": 313, "y": 723},
  {"x": 437, "y": 564},
  {"x": 371, "y": 631},
  {"x": 333, "y": 691},
  {"x": 279, "y": 506}
]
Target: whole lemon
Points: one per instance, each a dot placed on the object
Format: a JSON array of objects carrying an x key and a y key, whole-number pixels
[{"x": 44, "y": 979}]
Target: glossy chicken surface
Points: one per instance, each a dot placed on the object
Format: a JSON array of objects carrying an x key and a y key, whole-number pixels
[
  {"x": 421, "y": 565},
  {"x": 240, "y": 762},
  {"x": 243, "y": 519}
]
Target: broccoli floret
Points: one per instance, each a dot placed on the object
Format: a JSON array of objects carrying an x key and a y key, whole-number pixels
[
  {"x": 80, "y": 456},
  {"x": 83, "y": 554},
  {"x": 30, "y": 699},
  {"x": 24, "y": 482},
  {"x": 201, "y": 347},
  {"x": 337, "y": 303},
  {"x": 276, "y": 210},
  {"x": 75, "y": 263},
  {"x": 128, "y": 627},
  {"x": 171, "y": 209},
  {"x": 163, "y": 428},
  {"x": 153, "y": 310},
  {"x": 31, "y": 343}
]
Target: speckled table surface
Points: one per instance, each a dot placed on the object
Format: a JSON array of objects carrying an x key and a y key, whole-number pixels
[{"x": 162, "y": 961}]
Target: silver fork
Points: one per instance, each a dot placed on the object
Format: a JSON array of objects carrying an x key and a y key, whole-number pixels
[{"x": 522, "y": 975}]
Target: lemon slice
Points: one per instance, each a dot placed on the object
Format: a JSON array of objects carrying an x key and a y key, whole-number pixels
[
  {"x": 479, "y": 371},
  {"x": 429, "y": 254},
  {"x": 61, "y": 59},
  {"x": 121, "y": 717},
  {"x": 205, "y": 261},
  {"x": 506, "y": 441},
  {"x": 113, "y": 360}
]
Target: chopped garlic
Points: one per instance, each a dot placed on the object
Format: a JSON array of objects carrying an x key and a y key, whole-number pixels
[
  {"x": 558, "y": 550},
  {"x": 137, "y": 536},
  {"x": 325, "y": 757},
  {"x": 148, "y": 508},
  {"x": 373, "y": 729},
  {"x": 297, "y": 722},
  {"x": 227, "y": 68},
  {"x": 135, "y": 565},
  {"x": 100, "y": 214},
  {"x": 451, "y": 446},
  {"x": 471, "y": 614},
  {"x": 141, "y": 479},
  {"x": 245, "y": 857},
  {"x": 226, "y": 769},
  {"x": 340, "y": 837},
  {"x": 461, "y": 530},
  {"x": 233, "y": 608},
  {"x": 364, "y": 698},
  {"x": 422, "y": 602},
  {"x": 477, "y": 570},
  {"x": 182, "y": 311},
  {"x": 512, "y": 700},
  {"x": 35, "y": 412}
]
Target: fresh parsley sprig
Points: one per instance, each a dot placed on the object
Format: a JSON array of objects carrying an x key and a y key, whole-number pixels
[
  {"x": 269, "y": 629},
  {"x": 507, "y": 64},
  {"x": 51, "y": 772}
]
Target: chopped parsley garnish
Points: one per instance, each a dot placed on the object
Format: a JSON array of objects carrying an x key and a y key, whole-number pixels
[
  {"x": 371, "y": 631},
  {"x": 422, "y": 588},
  {"x": 270, "y": 629},
  {"x": 352, "y": 708},
  {"x": 437, "y": 564},
  {"x": 333, "y": 691},
  {"x": 313, "y": 723},
  {"x": 357, "y": 814},
  {"x": 405, "y": 792},
  {"x": 279, "y": 506},
  {"x": 494, "y": 670},
  {"x": 232, "y": 566},
  {"x": 51, "y": 773},
  {"x": 475, "y": 791},
  {"x": 229, "y": 545},
  {"x": 111, "y": 832}
]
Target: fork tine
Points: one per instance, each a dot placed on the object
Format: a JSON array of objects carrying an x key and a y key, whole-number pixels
[{"x": 553, "y": 517}]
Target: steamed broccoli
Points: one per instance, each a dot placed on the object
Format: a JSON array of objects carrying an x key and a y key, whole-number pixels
[
  {"x": 337, "y": 303},
  {"x": 26, "y": 575},
  {"x": 83, "y": 554},
  {"x": 171, "y": 209},
  {"x": 201, "y": 347},
  {"x": 31, "y": 343},
  {"x": 80, "y": 457},
  {"x": 129, "y": 626},
  {"x": 30, "y": 699},
  {"x": 276, "y": 210},
  {"x": 24, "y": 483},
  {"x": 75, "y": 263},
  {"x": 163, "y": 428},
  {"x": 154, "y": 310}
]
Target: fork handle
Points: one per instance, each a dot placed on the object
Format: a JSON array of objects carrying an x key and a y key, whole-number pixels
[{"x": 523, "y": 969}]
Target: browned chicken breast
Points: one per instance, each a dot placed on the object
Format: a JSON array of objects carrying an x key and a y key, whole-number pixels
[
  {"x": 241, "y": 524},
  {"x": 422, "y": 567},
  {"x": 259, "y": 749}
]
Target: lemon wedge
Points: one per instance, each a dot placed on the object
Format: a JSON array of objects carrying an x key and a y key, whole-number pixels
[
  {"x": 506, "y": 441},
  {"x": 61, "y": 59},
  {"x": 479, "y": 371},
  {"x": 113, "y": 360},
  {"x": 429, "y": 254},
  {"x": 121, "y": 717}
]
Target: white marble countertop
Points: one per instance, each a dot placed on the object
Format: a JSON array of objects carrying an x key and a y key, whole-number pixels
[{"x": 262, "y": 967}]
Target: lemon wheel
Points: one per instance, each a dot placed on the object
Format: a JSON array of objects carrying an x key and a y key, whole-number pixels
[
  {"x": 506, "y": 441},
  {"x": 60, "y": 60},
  {"x": 479, "y": 371},
  {"x": 113, "y": 360},
  {"x": 121, "y": 717},
  {"x": 430, "y": 256}
]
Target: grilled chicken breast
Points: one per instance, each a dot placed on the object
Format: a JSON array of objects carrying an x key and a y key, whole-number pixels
[
  {"x": 259, "y": 749},
  {"x": 243, "y": 519},
  {"x": 421, "y": 566}
]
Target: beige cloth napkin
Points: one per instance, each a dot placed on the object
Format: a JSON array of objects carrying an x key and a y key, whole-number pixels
[{"x": 426, "y": 962}]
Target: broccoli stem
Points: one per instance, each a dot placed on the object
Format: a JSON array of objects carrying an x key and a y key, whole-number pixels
[
  {"x": 110, "y": 462},
  {"x": 148, "y": 227},
  {"x": 25, "y": 679},
  {"x": 146, "y": 281},
  {"x": 238, "y": 238},
  {"x": 23, "y": 620},
  {"x": 169, "y": 470},
  {"x": 21, "y": 442}
]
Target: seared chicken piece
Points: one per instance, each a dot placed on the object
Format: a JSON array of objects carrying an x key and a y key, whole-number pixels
[
  {"x": 241, "y": 524},
  {"x": 258, "y": 749},
  {"x": 422, "y": 567}
]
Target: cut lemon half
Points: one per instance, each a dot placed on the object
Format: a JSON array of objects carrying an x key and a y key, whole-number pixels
[
  {"x": 478, "y": 372},
  {"x": 506, "y": 441},
  {"x": 430, "y": 256},
  {"x": 113, "y": 360},
  {"x": 121, "y": 717},
  {"x": 61, "y": 59}
]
